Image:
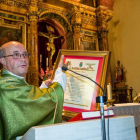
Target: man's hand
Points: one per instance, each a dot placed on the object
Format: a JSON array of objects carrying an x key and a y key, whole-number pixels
[
  {"x": 61, "y": 64},
  {"x": 48, "y": 82}
]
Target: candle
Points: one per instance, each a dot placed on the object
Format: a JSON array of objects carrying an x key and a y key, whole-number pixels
[
  {"x": 109, "y": 91},
  {"x": 47, "y": 62},
  {"x": 79, "y": 43},
  {"x": 40, "y": 58}
]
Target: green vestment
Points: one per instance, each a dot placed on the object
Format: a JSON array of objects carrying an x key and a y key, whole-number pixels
[{"x": 23, "y": 106}]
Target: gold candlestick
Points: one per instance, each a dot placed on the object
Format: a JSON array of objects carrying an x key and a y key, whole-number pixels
[{"x": 110, "y": 102}]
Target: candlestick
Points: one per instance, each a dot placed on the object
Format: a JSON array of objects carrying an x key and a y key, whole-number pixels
[
  {"x": 47, "y": 62},
  {"x": 79, "y": 43},
  {"x": 40, "y": 58},
  {"x": 109, "y": 91}
]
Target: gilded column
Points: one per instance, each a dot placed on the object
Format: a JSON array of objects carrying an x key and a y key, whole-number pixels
[
  {"x": 103, "y": 16},
  {"x": 76, "y": 22},
  {"x": 33, "y": 45},
  {"x": 77, "y": 29},
  {"x": 103, "y": 36}
]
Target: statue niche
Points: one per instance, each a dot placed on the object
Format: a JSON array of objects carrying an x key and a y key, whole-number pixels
[
  {"x": 51, "y": 37},
  {"x": 50, "y": 44}
]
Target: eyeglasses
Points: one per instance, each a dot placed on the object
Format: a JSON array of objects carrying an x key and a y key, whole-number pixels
[{"x": 18, "y": 55}]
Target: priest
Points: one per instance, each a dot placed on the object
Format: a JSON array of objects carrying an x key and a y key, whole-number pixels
[{"x": 22, "y": 105}]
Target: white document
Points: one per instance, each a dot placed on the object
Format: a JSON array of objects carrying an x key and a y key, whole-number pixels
[{"x": 79, "y": 90}]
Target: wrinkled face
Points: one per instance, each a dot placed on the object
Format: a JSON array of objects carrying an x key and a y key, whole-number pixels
[{"x": 16, "y": 66}]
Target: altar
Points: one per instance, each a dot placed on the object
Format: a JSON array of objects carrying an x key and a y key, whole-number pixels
[
  {"x": 128, "y": 109},
  {"x": 120, "y": 128}
]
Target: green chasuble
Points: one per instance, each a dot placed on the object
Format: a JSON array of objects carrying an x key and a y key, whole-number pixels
[{"x": 23, "y": 106}]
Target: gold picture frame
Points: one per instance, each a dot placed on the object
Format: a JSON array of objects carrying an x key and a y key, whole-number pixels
[
  {"x": 95, "y": 62},
  {"x": 14, "y": 24},
  {"x": 12, "y": 28},
  {"x": 89, "y": 42}
]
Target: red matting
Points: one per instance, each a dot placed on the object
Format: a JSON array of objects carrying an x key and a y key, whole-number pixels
[{"x": 97, "y": 81}]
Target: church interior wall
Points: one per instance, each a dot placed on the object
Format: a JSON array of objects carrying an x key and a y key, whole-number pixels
[{"x": 124, "y": 40}]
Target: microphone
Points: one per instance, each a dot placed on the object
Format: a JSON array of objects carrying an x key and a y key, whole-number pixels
[
  {"x": 99, "y": 99},
  {"x": 64, "y": 68}
]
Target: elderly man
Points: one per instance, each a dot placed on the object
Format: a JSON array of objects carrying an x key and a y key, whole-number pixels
[{"x": 21, "y": 105}]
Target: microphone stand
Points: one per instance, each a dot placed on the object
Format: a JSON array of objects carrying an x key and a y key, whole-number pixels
[{"x": 99, "y": 99}]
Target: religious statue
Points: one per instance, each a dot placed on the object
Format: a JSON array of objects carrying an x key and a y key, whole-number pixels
[
  {"x": 119, "y": 72},
  {"x": 50, "y": 45}
]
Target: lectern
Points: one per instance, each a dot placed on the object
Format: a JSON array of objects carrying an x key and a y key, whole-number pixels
[{"x": 120, "y": 128}]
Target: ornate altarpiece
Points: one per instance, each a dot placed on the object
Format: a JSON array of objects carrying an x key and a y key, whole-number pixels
[{"x": 85, "y": 27}]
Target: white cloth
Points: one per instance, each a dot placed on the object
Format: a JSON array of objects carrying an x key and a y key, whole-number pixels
[
  {"x": 16, "y": 75},
  {"x": 128, "y": 109},
  {"x": 60, "y": 77}
]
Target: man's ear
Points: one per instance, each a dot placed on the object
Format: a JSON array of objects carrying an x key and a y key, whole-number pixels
[{"x": 2, "y": 61}]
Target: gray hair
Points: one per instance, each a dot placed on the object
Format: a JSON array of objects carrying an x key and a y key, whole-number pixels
[{"x": 2, "y": 52}]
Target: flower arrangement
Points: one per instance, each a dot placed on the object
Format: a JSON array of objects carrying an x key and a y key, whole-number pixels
[{"x": 44, "y": 75}]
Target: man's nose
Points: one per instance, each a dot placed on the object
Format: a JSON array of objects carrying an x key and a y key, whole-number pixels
[{"x": 22, "y": 56}]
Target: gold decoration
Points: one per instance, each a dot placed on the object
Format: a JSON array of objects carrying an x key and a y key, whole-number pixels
[
  {"x": 110, "y": 102},
  {"x": 103, "y": 16},
  {"x": 77, "y": 28},
  {"x": 12, "y": 8},
  {"x": 50, "y": 45},
  {"x": 78, "y": 17},
  {"x": 16, "y": 3},
  {"x": 33, "y": 41}
]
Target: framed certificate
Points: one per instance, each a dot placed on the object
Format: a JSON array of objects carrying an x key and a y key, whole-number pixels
[{"x": 80, "y": 93}]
